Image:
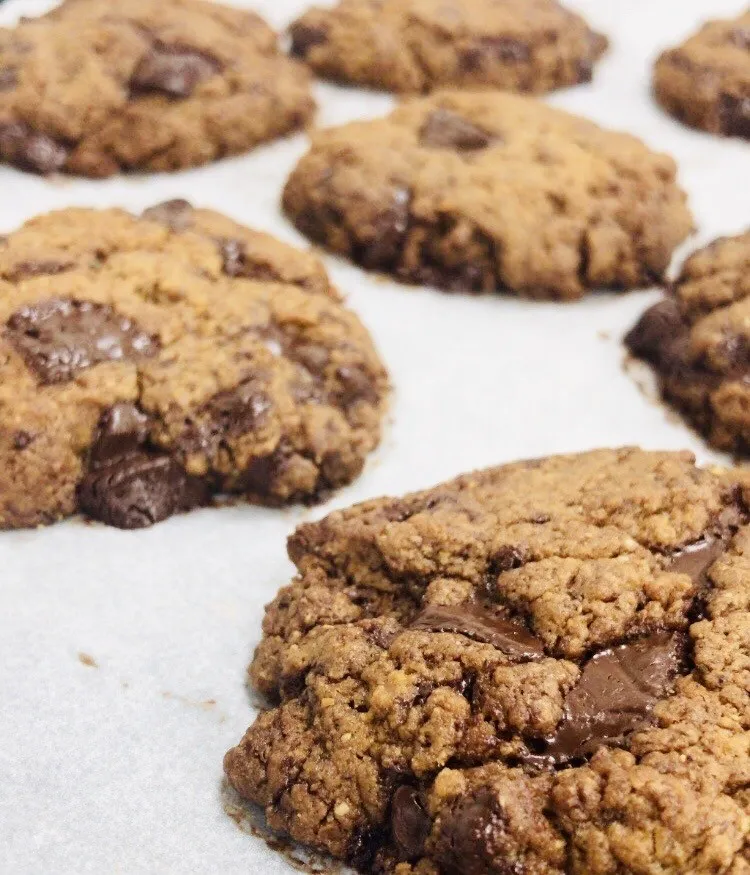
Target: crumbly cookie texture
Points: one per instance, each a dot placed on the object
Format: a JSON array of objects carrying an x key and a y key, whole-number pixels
[
  {"x": 697, "y": 339},
  {"x": 705, "y": 82},
  {"x": 419, "y": 45},
  {"x": 94, "y": 87},
  {"x": 149, "y": 363},
  {"x": 536, "y": 669},
  {"x": 491, "y": 192}
]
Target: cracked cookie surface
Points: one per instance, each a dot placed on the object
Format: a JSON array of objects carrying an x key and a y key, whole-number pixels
[
  {"x": 536, "y": 669},
  {"x": 491, "y": 192},
  {"x": 705, "y": 82},
  {"x": 149, "y": 363},
  {"x": 419, "y": 45},
  {"x": 93, "y": 88},
  {"x": 697, "y": 340}
]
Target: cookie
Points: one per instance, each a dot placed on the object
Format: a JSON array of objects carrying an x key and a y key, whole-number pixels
[
  {"x": 418, "y": 45},
  {"x": 147, "y": 364},
  {"x": 537, "y": 669},
  {"x": 151, "y": 85},
  {"x": 491, "y": 192},
  {"x": 705, "y": 82},
  {"x": 697, "y": 339}
]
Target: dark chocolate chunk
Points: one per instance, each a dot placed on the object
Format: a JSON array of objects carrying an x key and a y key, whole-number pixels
[
  {"x": 304, "y": 37},
  {"x": 59, "y": 337},
  {"x": 482, "y": 623},
  {"x": 734, "y": 115},
  {"x": 176, "y": 214},
  {"x": 390, "y": 229},
  {"x": 492, "y": 49},
  {"x": 474, "y": 838},
  {"x": 138, "y": 490},
  {"x": 8, "y": 79},
  {"x": 696, "y": 559},
  {"x": 22, "y": 439},
  {"x": 30, "y": 150},
  {"x": 356, "y": 385},
  {"x": 656, "y": 330},
  {"x": 507, "y": 558},
  {"x": 172, "y": 70},
  {"x": 410, "y": 823},
  {"x": 445, "y": 129},
  {"x": 123, "y": 429},
  {"x": 615, "y": 694}
]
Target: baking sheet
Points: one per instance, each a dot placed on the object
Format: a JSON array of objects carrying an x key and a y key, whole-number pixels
[{"x": 123, "y": 654}]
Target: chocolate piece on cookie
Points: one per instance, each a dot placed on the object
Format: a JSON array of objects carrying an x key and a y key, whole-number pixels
[
  {"x": 705, "y": 82},
  {"x": 150, "y": 363},
  {"x": 537, "y": 668},
  {"x": 490, "y": 192},
  {"x": 151, "y": 85},
  {"x": 698, "y": 342},
  {"x": 419, "y": 45}
]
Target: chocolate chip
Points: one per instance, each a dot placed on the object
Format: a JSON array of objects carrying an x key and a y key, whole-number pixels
[
  {"x": 236, "y": 263},
  {"x": 28, "y": 269},
  {"x": 389, "y": 233},
  {"x": 29, "y": 150},
  {"x": 483, "y": 623},
  {"x": 172, "y": 70},
  {"x": 734, "y": 115},
  {"x": 137, "y": 490},
  {"x": 22, "y": 439},
  {"x": 474, "y": 838},
  {"x": 176, "y": 214},
  {"x": 123, "y": 429},
  {"x": 305, "y": 36},
  {"x": 506, "y": 558},
  {"x": 59, "y": 337},
  {"x": 355, "y": 385},
  {"x": 445, "y": 129},
  {"x": 655, "y": 331},
  {"x": 410, "y": 823},
  {"x": 615, "y": 694},
  {"x": 8, "y": 79},
  {"x": 233, "y": 412},
  {"x": 492, "y": 49},
  {"x": 260, "y": 474}
]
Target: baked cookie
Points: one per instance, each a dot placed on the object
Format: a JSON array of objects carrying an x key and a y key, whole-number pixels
[
  {"x": 698, "y": 341},
  {"x": 538, "y": 669},
  {"x": 418, "y": 45},
  {"x": 491, "y": 192},
  {"x": 705, "y": 82},
  {"x": 147, "y": 364},
  {"x": 93, "y": 88}
]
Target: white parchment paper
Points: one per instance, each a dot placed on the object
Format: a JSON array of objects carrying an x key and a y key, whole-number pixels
[{"x": 117, "y": 767}]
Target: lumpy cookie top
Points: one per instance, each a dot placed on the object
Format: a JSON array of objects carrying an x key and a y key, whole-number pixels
[
  {"x": 95, "y": 87},
  {"x": 148, "y": 363},
  {"x": 418, "y": 45},
  {"x": 535, "y": 669},
  {"x": 491, "y": 192},
  {"x": 705, "y": 82},
  {"x": 698, "y": 341}
]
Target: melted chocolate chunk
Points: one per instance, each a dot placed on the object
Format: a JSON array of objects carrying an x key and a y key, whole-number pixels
[
  {"x": 615, "y": 694},
  {"x": 390, "y": 232},
  {"x": 474, "y": 840},
  {"x": 304, "y": 37},
  {"x": 482, "y": 623},
  {"x": 655, "y": 331},
  {"x": 123, "y": 429},
  {"x": 29, "y": 150},
  {"x": 696, "y": 559},
  {"x": 492, "y": 49},
  {"x": 448, "y": 130},
  {"x": 59, "y": 337},
  {"x": 176, "y": 214},
  {"x": 734, "y": 115},
  {"x": 172, "y": 70},
  {"x": 27, "y": 269},
  {"x": 410, "y": 823}
]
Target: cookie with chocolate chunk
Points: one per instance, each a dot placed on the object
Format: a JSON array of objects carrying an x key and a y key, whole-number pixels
[
  {"x": 539, "y": 669},
  {"x": 491, "y": 192},
  {"x": 419, "y": 45},
  {"x": 149, "y": 363},
  {"x": 697, "y": 339},
  {"x": 93, "y": 88},
  {"x": 705, "y": 82}
]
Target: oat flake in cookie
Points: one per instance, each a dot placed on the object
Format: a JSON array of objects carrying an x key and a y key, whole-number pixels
[
  {"x": 697, "y": 339},
  {"x": 535, "y": 669},
  {"x": 149, "y": 363},
  {"x": 705, "y": 82},
  {"x": 95, "y": 87},
  {"x": 491, "y": 192},
  {"x": 419, "y": 45}
]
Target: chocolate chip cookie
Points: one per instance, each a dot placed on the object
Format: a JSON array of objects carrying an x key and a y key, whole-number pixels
[
  {"x": 149, "y": 363},
  {"x": 697, "y": 339},
  {"x": 95, "y": 87},
  {"x": 705, "y": 82},
  {"x": 491, "y": 192},
  {"x": 419, "y": 45},
  {"x": 537, "y": 669}
]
